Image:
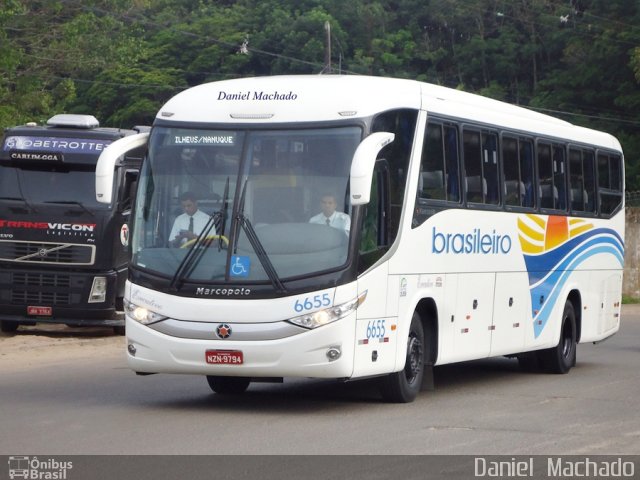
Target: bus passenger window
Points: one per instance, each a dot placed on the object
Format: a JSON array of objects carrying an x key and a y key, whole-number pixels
[
  {"x": 588, "y": 168},
  {"x": 527, "y": 172},
  {"x": 581, "y": 180},
  {"x": 517, "y": 160},
  {"x": 513, "y": 187},
  {"x": 547, "y": 192},
  {"x": 559, "y": 176},
  {"x": 475, "y": 186},
  {"x": 490, "y": 167},
  {"x": 609, "y": 182},
  {"x": 431, "y": 183},
  {"x": 576, "y": 181},
  {"x": 439, "y": 169}
]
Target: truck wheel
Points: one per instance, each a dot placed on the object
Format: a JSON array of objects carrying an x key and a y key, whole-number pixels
[
  {"x": 228, "y": 385},
  {"x": 403, "y": 386},
  {"x": 562, "y": 357},
  {"x": 8, "y": 326}
]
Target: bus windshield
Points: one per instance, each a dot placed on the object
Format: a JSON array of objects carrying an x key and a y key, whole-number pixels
[{"x": 244, "y": 205}]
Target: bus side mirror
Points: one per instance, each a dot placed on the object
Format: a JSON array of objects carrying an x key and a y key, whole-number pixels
[
  {"x": 364, "y": 160},
  {"x": 105, "y": 169}
]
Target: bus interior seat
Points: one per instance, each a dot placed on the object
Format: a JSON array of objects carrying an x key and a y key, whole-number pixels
[
  {"x": 514, "y": 192},
  {"x": 476, "y": 188},
  {"x": 432, "y": 184},
  {"x": 579, "y": 198},
  {"x": 547, "y": 198}
]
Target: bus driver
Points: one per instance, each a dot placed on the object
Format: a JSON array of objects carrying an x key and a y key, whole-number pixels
[
  {"x": 329, "y": 216},
  {"x": 188, "y": 225}
]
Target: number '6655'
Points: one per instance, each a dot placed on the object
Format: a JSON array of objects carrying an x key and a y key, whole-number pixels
[
  {"x": 317, "y": 301},
  {"x": 375, "y": 329}
]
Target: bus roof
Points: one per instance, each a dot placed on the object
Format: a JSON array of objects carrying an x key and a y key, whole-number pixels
[{"x": 314, "y": 98}]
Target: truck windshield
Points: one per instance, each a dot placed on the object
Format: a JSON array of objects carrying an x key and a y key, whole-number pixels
[
  {"x": 33, "y": 186},
  {"x": 273, "y": 203}
]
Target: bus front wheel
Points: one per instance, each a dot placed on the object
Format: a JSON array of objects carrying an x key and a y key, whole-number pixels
[
  {"x": 228, "y": 385},
  {"x": 403, "y": 386},
  {"x": 562, "y": 357}
]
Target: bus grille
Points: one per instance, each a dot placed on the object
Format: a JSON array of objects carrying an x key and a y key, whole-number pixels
[{"x": 47, "y": 252}]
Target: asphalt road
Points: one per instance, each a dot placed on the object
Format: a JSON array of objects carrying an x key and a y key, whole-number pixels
[{"x": 70, "y": 392}]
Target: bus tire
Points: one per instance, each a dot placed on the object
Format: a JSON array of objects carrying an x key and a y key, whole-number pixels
[
  {"x": 403, "y": 386},
  {"x": 228, "y": 385},
  {"x": 562, "y": 357},
  {"x": 8, "y": 326}
]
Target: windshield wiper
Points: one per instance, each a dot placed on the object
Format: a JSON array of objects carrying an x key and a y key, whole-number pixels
[
  {"x": 194, "y": 254},
  {"x": 72, "y": 202},
  {"x": 223, "y": 214},
  {"x": 246, "y": 225}
]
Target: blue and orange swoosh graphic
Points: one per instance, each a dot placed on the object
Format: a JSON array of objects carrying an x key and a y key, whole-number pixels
[{"x": 553, "y": 247}]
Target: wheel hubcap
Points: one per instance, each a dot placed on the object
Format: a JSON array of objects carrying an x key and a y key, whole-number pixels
[
  {"x": 566, "y": 340},
  {"x": 413, "y": 365}
]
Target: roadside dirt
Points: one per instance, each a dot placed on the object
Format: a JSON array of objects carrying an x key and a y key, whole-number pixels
[{"x": 47, "y": 344}]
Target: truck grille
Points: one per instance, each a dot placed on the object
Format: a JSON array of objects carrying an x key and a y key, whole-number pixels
[
  {"x": 23, "y": 292},
  {"x": 47, "y": 252}
]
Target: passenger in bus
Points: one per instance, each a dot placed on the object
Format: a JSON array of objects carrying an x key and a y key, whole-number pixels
[
  {"x": 188, "y": 225},
  {"x": 329, "y": 216}
]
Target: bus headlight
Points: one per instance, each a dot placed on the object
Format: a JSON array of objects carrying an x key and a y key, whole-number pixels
[
  {"x": 328, "y": 315},
  {"x": 142, "y": 314}
]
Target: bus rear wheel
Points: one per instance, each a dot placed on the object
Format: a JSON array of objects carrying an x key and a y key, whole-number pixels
[
  {"x": 562, "y": 357},
  {"x": 228, "y": 385},
  {"x": 403, "y": 386}
]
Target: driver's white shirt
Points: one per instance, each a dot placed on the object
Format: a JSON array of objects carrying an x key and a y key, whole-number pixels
[
  {"x": 181, "y": 222},
  {"x": 338, "y": 220}
]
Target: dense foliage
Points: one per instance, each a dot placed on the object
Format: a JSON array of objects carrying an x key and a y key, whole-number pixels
[{"x": 121, "y": 59}]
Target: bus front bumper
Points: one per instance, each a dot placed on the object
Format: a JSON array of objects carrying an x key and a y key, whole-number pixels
[{"x": 311, "y": 353}]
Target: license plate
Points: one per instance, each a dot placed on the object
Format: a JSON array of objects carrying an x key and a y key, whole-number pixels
[
  {"x": 224, "y": 357},
  {"x": 41, "y": 311}
]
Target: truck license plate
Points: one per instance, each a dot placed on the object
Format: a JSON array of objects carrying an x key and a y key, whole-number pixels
[{"x": 41, "y": 311}]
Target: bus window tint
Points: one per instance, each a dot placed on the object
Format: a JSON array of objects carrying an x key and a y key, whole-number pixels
[
  {"x": 490, "y": 167},
  {"x": 547, "y": 192},
  {"x": 513, "y": 189},
  {"x": 475, "y": 185},
  {"x": 609, "y": 182},
  {"x": 559, "y": 180},
  {"x": 581, "y": 193},
  {"x": 588, "y": 168},
  {"x": 431, "y": 183}
]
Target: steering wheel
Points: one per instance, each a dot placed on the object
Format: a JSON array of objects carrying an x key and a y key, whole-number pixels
[{"x": 208, "y": 238}]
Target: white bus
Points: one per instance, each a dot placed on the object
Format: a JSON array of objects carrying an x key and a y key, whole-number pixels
[{"x": 463, "y": 228}]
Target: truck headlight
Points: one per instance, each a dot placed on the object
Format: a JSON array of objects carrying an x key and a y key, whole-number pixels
[
  {"x": 328, "y": 315},
  {"x": 98, "y": 291},
  {"x": 142, "y": 314}
]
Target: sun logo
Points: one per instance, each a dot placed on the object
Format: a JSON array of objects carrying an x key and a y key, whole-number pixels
[
  {"x": 540, "y": 234},
  {"x": 554, "y": 247}
]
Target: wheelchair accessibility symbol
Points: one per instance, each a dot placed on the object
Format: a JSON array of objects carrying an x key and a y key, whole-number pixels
[{"x": 239, "y": 266}]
